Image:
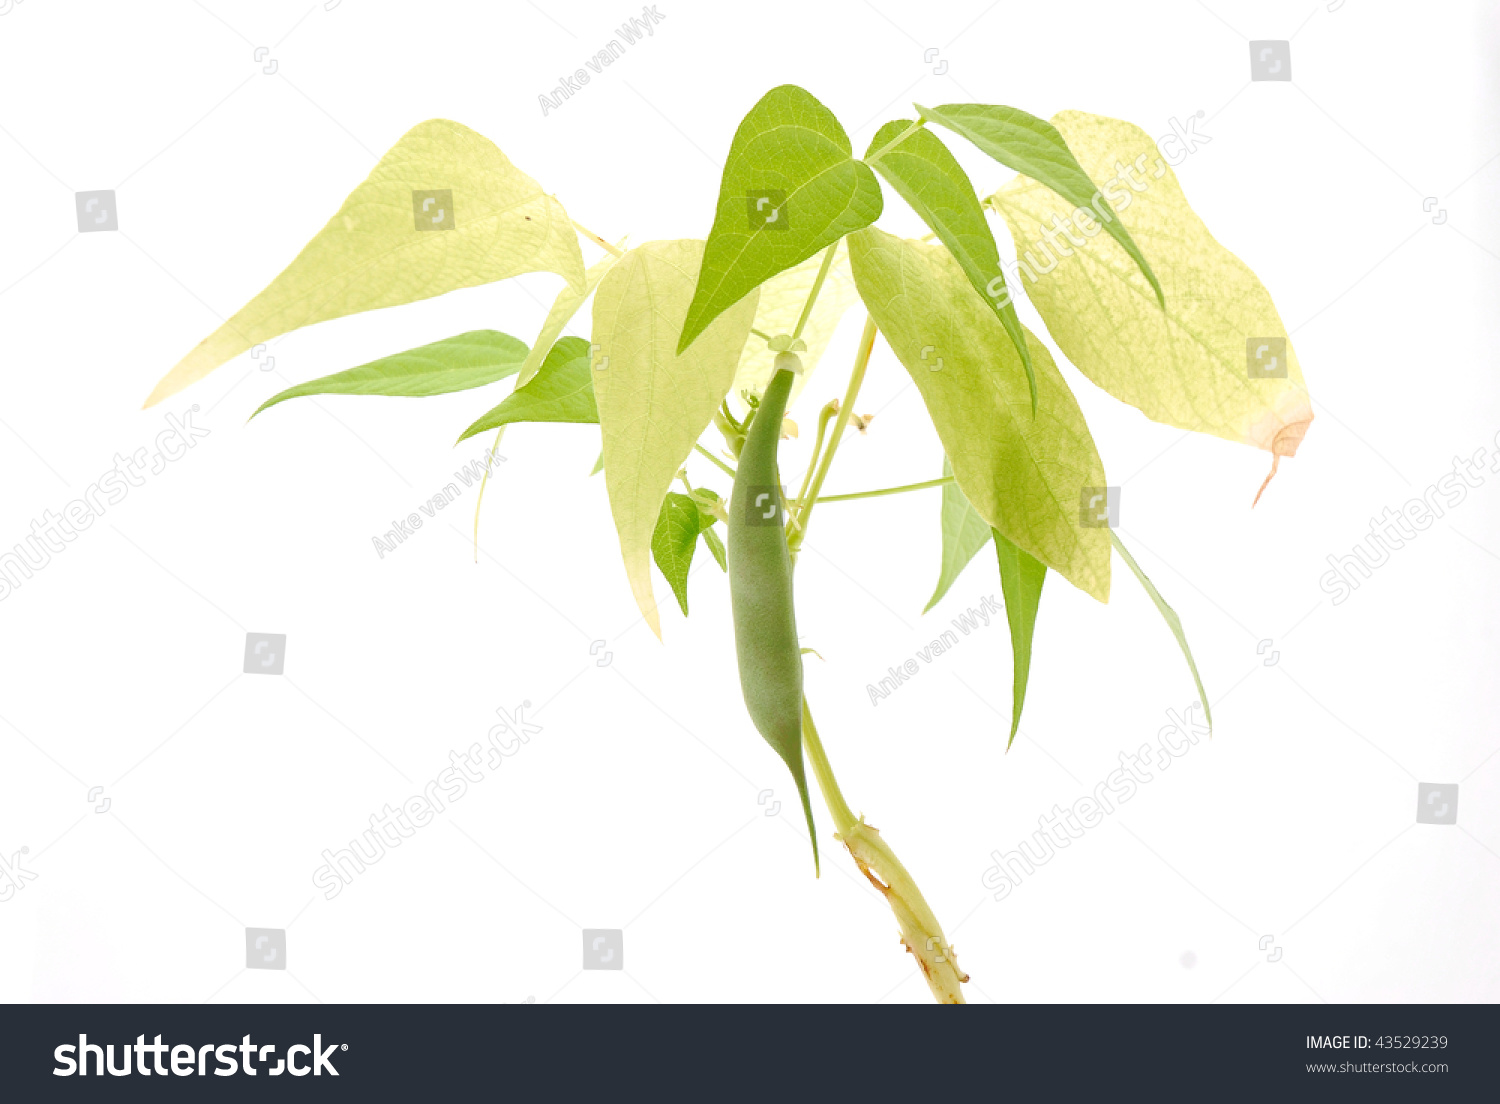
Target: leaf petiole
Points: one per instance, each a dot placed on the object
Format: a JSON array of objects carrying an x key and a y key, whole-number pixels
[
  {"x": 723, "y": 467},
  {"x": 887, "y": 490},
  {"x": 817, "y": 286},
  {"x": 596, "y": 239},
  {"x": 856, "y": 379}
]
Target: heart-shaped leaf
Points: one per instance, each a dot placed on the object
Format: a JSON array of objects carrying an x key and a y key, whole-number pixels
[
  {"x": 471, "y": 359},
  {"x": 1025, "y": 475},
  {"x": 791, "y": 188},
  {"x": 653, "y": 403},
  {"x": 562, "y": 391},
  {"x": 443, "y": 209},
  {"x": 934, "y": 184}
]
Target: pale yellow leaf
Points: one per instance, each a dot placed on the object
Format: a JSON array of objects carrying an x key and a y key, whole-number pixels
[
  {"x": 1187, "y": 365},
  {"x": 371, "y": 253},
  {"x": 654, "y": 404},
  {"x": 1027, "y": 475}
]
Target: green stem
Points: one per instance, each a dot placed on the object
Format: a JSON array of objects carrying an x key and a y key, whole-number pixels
[
  {"x": 843, "y": 816},
  {"x": 911, "y": 129},
  {"x": 812, "y": 292},
  {"x": 824, "y": 416},
  {"x": 888, "y": 490},
  {"x": 723, "y": 467},
  {"x": 920, "y": 931},
  {"x": 798, "y": 524},
  {"x": 757, "y": 333}
]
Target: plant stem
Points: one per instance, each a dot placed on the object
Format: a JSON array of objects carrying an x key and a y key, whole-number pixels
[
  {"x": 812, "y": 461},
  {"x": 843, "y": 817},
  {"x": 887, "y": 490},
  {"x": 812, "y": 292},
  {"x": 483, "y": 482},
  {"x": 762, "y": 336},
  {"x": 723, "y": 467},
  {"x": 856, "y": 379},
  {"x": 920, "y": 931},
  {"x": 596, "y": 239}
]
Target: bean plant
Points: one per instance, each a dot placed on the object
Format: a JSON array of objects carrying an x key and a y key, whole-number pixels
[{"x": 698, "y": 345}]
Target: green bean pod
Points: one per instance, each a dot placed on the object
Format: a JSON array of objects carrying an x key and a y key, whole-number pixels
[{"x": 760, "y": 587}]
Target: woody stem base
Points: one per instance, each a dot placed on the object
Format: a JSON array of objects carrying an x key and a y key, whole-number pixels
[{"x": 920, "y": 931}]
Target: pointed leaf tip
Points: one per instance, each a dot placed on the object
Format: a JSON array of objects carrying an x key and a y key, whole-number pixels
[
  {"x": 458, "y": 363},
  {"x": 443, "y": 209}
]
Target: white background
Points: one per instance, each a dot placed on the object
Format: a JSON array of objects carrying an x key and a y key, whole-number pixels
[{"x": 636, "y": 805}]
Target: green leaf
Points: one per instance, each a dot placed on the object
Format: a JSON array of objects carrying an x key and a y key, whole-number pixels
[
  {"x": 564, "y": 307},
  {"x": 1169, "y": 615},
  {"x": 373, "y": 254},
  {"x": 1188, "y": 364},
  {"x": 781, "y": 300},
  {"x": 964, "y": 534},
  {"x": 1021, "y": 579},
  {"x": 471, "y": 359},
  {"x": 653, "y": 403},
  {"x": 1025, "y": 475},
  {"x": 675, "y": 540},
  {"x": 925, "y": 174},
  {"x": 678, "y": 527},
  {"x": 562, "y": 391},
  {"x": 598, "y": 465},
  {"x": 791, "y": 188},
  {"x": 1035, "y": 148}
]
